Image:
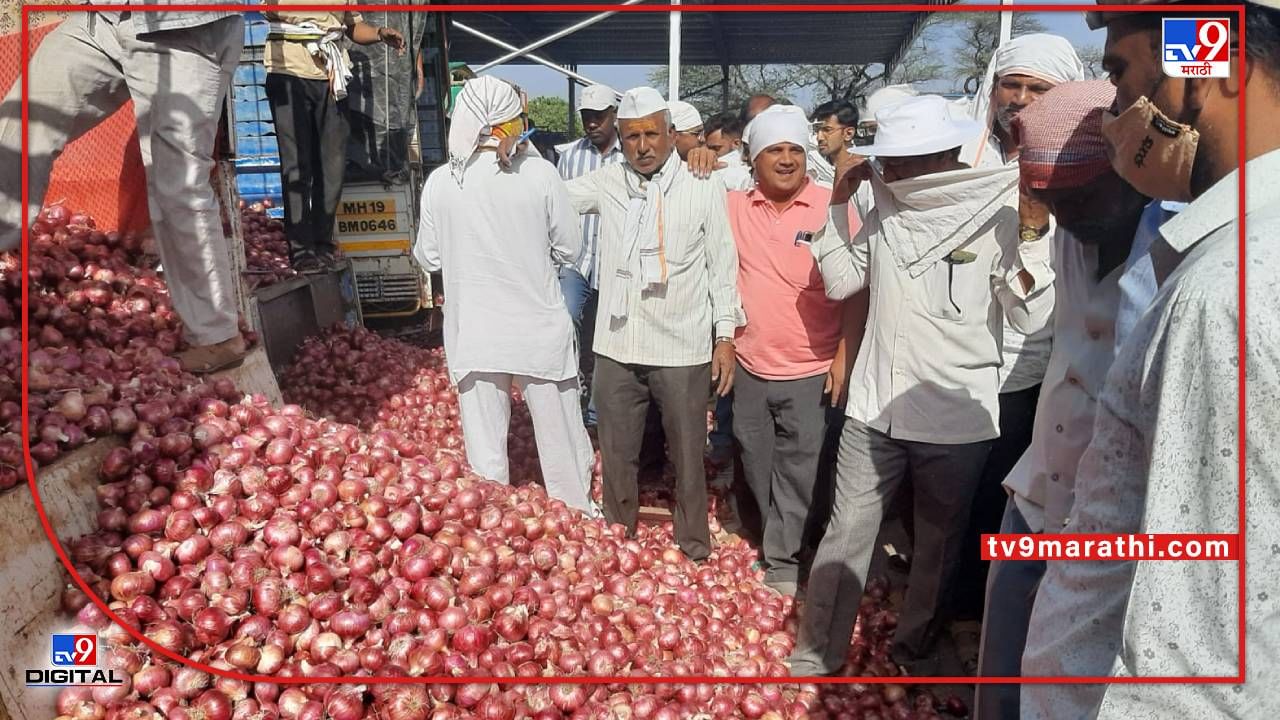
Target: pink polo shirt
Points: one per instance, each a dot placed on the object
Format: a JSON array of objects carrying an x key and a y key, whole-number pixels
[{"x": 792, "y": 327}]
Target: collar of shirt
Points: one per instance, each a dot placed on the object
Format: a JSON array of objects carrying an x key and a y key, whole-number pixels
[
  {"x": 1219, "y": 204},
  {"x": 809, "y": 196},
  {"x": 586, "y": 144}
]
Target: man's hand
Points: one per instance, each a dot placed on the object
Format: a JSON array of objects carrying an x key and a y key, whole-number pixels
[
  {"x": 837, "y": 385},
  {"x": 506, "y": 150},
  {"x": 850, "y": 173},
  {"x": 723, "y": 359},
  {"x": 392, "y": 38},
  {"x": 704, "y": 161},
  {"x": 1032, "y": 212}
]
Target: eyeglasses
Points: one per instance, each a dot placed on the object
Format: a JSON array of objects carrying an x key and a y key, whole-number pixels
[{"x": 826, "y": 129}]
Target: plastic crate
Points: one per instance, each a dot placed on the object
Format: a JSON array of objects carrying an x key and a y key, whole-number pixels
[
  {"x": 276, "y": 211},
  {"x": 251, "y": 111},
  {"x": 258, "y": 185},
  {"x": 258, "y": 146},
  {"x": 250, "y": 74},
  {"x": 255, "y": 128},
  {"x": 249, "y": 93},
  {"x": 255, "y": 54},
  {"x": 255, "y": 32}
]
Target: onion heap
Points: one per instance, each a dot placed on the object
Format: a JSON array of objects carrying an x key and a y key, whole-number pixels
[
  {"x": 103, "y": 335},
  {"x": 266, "y": 251}
]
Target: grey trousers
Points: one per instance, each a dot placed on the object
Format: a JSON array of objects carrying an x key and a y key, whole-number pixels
[
  {"x": 622, "y": 395},
  {"x": 871, "y": 465},
  {"x": 1011, "y": 593},
  {"x": 84, "y": 71},
  {"x": 780, "y": 426}
]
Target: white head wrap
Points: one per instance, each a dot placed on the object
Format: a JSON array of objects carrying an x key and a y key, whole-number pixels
[
  {"x": 1048, "y": 57},
  {"x": 641, "y": 102},
  {"x": 777, "y": 124},
  {"x": 684, "y": 116},
  {"x": 484, "y": 102}
]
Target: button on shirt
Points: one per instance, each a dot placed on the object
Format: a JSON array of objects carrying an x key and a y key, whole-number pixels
[
  {"x": 792, "y": 328},
  {"x": 927, "y": 369},
  {"x": 675, "y": 325},
  {"x": 578, "y": 159},
  {"x": 1164, "y": 459},
  {"x": 1084, "y": 323}
]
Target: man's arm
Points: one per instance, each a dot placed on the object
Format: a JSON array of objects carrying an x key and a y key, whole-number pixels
[
  {"x": 584, "y": 191},
  {"x": 426, "y": 248},
  {"x": 563, "y": 221},
  {"x": 363, "y": 33},
  {"x": 722, "y": 274},
  {"x": 1023, "y": 282},
  {"x": 842, "y": 260},
  {"x": 853, "y": 316}
]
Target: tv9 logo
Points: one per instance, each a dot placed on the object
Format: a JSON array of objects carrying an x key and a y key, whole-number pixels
[
  {"x": 75, "y": 650},
  {"x": 1196, "y": 47}
]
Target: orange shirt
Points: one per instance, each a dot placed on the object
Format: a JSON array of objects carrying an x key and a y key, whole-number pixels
[{"x": 792, "y": 328}]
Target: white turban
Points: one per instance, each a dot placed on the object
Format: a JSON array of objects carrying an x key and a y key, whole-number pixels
[
  {"x": 684, "y": 116},
  {"x": 885, "y": 97},
  {"x": 1048, "y": 57},
  {"x": 777, "y": 124},
  {"x": 641, "y": 102},
  {"x": 484, "y": 102}
]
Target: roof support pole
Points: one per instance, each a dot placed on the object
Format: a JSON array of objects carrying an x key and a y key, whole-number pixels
[
  {"x": 724, "y": 88},
  {"x": 554, "y": 37},
  {"x": 573, "y": 88},
  {"x": 1006, "y": 23},
  {"x": 540, "y": 60},
  {"x": 673, "y": 56}
]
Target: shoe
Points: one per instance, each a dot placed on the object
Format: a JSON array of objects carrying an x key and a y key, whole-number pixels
[
  {"x": 309, "y": 266},
  {"x": 204, "y": 359},
  {"x": 967, "y": 635}
]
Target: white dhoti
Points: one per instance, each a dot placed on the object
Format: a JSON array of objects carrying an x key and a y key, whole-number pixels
[{"x": 564, "y": 449}]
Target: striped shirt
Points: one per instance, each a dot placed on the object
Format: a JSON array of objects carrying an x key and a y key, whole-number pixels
[
  {"x": 578, "y": 159},
  {"x": 674, "y": 326}
]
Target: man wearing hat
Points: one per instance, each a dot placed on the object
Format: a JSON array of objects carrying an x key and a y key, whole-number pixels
[
  {"x": 1063, "y": 162},
  {"x": 875, "y": 102},
  {"x": 792, "y": 356},
  {"x": 688, "y": 124},
  {"x": 597, "y": 148},
  {"x": 505, "y": 322},
  {"x": 941, "y": 253},
  {"x": 668, "y": 311},
  {"x": 1165, "y": 454}
]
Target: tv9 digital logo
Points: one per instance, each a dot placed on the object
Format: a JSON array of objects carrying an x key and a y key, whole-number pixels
[
  {"x": 1197, "y": 47},
  {"x": 75, "y": 650}
]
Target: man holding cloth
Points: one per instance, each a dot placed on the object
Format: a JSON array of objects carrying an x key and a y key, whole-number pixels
[
  {"x": 941, "y": 254},
  {"x": 668, "y": 311},
  {"x": 1165, "y": 454},
  {"x": 792, "y": 365},
  {"x": 497, "y": 237},
  {"x": 1063, "y": 162},
  {"x": 1021, "y": 70}
]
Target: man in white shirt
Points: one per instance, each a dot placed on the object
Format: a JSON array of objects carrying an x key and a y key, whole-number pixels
[
  {"x": 1166, "y": 453},
  {"x": 668, "y": 289},
  {"x": 880, "y": 99},
  {"x": 1063, "y": 162},
  {"x": 941, "y": 254},
  {"x": 1020, "y": 71},
  {"x": 598, "y": 147},
  {"x": 497, "y": 237}
]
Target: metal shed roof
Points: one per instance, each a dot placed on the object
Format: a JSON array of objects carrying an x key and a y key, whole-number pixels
[{"x": 707, "y": 38}]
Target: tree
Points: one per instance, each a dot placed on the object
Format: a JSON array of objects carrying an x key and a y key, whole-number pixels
[
  {"x": 978, "y": 34},
  {"x": 1091, "y": 56},
  {"x": 551, "y": 114},
  {"x": 700, "y": 85}
]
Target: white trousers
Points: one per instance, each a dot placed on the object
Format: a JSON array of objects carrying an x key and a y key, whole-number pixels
[
  {"x": 564, "y": 449},
  {"x": 87, "y": 68}
]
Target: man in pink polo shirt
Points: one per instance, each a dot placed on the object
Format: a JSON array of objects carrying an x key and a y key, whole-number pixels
[{"x": 795, "y": 353}]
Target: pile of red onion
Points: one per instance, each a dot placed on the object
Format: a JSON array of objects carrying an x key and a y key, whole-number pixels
[
  {"x": 12, "y": 469},
  {"x": 265, "y": 249}
]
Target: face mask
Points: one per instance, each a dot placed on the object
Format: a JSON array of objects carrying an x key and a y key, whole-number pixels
[{"x": 1151, "y": 152}]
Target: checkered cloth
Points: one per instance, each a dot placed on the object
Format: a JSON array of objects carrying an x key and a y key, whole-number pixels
[{"x": 1060, "y": 136}]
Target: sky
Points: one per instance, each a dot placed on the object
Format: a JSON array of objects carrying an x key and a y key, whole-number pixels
[{"x": 537, "y": 80}]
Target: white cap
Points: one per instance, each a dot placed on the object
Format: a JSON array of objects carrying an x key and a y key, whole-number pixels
[
  {"x": 777, "y": 124},
  {"x": 641, "y": 102},
  {"x": 598, "y": 97},
  {"x": 919, "y": 126},
  {"x": 886, "y": 97},
  {"x": 684, "y": 116}
]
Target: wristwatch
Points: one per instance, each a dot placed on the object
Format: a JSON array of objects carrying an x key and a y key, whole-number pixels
[
  {"x": 1028, "y": 233},
  {"x": 724, "y": 340}
]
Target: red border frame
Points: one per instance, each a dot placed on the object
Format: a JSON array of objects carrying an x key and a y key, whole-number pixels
[{"x": 1237, "y": 9}]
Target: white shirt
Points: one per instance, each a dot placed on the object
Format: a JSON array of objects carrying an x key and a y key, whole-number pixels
[
  {"x": 675, "y": 326},
  {"x": 1084, "y": 325},
  {"x": 497, "y": 240},
  {"x": 1164, "y": 459},
  {"x": 926, "y": 371},
  {"x": 577, "y": 159},
  {"x": 737, "y": 174}
]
